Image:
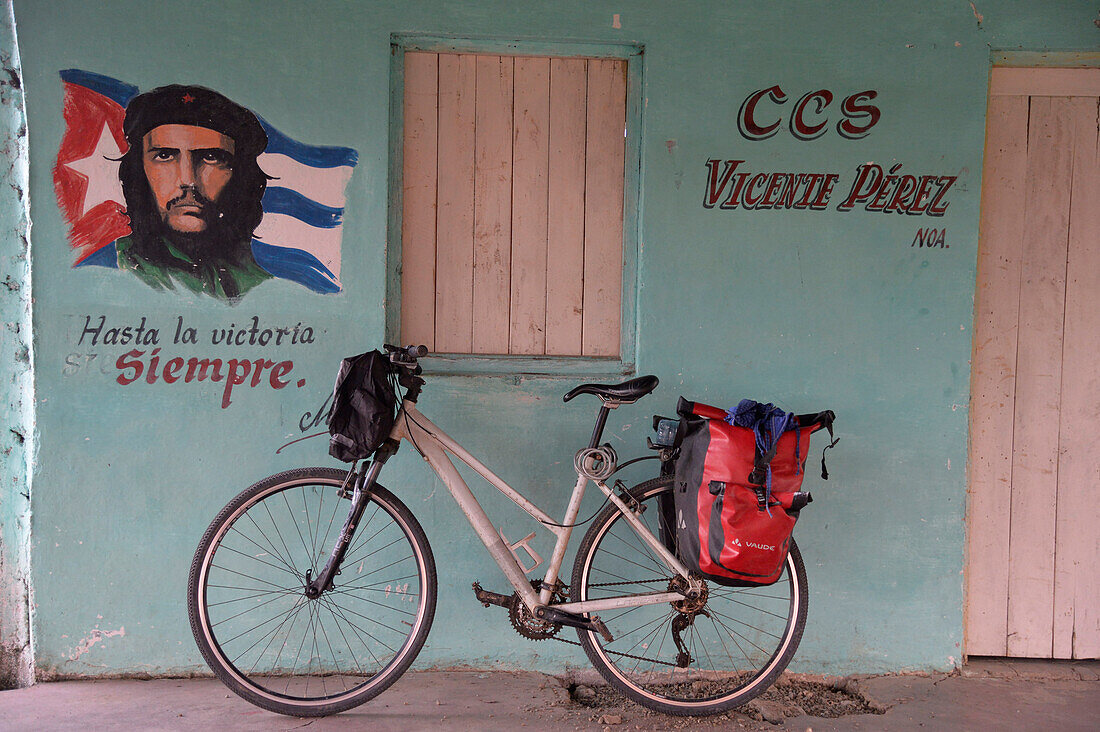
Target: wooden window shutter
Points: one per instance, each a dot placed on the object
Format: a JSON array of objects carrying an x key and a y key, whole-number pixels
[{"x": 512, "y": 207}]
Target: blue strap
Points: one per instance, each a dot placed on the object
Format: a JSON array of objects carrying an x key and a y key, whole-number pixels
[{"x": 768, "y": 423}]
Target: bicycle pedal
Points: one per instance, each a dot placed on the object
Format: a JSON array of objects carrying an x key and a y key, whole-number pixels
[
  {"x": 599, "y": 625},
  {"x": 487, "y": 598}
]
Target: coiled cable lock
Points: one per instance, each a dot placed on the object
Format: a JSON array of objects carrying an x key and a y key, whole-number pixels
[{"x": 596, "y": 463}]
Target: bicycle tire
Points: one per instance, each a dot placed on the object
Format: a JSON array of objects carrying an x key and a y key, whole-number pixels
[
  {"x": 737, "y": 645},
  {"x": 362, "y": 634}
]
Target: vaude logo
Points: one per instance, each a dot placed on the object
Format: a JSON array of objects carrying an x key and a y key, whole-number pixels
[{"x": 752, "y": 545}]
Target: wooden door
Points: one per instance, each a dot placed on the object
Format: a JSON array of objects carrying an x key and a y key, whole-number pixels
[{"x": 1033, "y": 584}]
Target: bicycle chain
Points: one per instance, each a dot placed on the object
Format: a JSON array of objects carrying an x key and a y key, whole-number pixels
[{"x": 620, "y": 653}]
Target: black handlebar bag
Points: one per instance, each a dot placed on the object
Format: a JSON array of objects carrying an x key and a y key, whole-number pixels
[
  {"x": 736, "y": 507},
  {"x": 364, "y": 405}
]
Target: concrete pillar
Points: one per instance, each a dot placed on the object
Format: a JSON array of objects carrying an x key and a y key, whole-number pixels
[{"x": 16, "y": 371}]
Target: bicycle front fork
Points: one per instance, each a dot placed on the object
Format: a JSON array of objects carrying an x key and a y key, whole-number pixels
[{"x": 363, "y": 482}]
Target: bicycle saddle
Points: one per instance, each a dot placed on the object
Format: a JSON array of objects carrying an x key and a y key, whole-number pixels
[{"x": 625, "y": 393}]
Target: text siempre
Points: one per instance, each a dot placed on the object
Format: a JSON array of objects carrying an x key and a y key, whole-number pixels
[{"x": 145, "y": 360}]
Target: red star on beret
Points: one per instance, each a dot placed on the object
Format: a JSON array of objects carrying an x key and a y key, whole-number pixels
[{"x": 187, "y": 99}]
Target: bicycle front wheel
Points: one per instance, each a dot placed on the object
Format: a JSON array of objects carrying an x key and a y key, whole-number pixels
[
  {"x": 683, "y": 658},
  {"x": 286, "y": 652}
]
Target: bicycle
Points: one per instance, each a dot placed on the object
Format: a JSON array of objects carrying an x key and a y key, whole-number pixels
[{"x": 314, "y": 589}]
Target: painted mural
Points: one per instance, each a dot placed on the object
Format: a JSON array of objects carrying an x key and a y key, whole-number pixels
[{"x": 189, "y": 191}]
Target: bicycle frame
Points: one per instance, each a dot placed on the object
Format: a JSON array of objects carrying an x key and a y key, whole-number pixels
[{"x": 434, "y": 444}]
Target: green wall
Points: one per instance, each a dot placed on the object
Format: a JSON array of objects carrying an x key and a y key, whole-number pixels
[
  {"x": 17, "y": 436},
  {"x": 809, "y": 309}
]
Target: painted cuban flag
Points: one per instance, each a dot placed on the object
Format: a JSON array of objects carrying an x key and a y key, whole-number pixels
[{"x": 299, "y": 237}]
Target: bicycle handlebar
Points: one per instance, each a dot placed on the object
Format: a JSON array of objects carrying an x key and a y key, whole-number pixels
[{"x": 405, "y": 354}]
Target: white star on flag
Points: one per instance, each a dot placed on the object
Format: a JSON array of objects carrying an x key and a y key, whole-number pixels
[{"x": 101, "y": 172}]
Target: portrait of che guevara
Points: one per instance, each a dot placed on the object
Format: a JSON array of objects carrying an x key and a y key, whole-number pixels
[{"x": 192, "y": 189}]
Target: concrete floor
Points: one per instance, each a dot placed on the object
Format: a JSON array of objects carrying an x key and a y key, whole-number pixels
[{"x": 991, "y": 695}]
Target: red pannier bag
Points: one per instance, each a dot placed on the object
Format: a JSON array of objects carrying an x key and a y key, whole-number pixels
[{"x": 728, "y": 527}]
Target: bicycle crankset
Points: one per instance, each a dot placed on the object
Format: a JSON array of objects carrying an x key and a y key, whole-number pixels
[{"x": 527, "y": 624}]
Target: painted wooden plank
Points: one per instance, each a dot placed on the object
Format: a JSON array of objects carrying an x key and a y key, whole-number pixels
[
  {"x": 1038, "y": 381},
  {"x": 455, "y": 208},
  {"x": 1045, "y": 82},
  {"x": 993, "y": 375},
  {"x": 603, "y": 209},
  {"x": 565, "y": 226},
  {"x": 530, "y": 146},
  {"x": 492, "y": 204},
  {"x": 515, "y": 48},
  {"x": 1077, "y": 547},
  {"x": 418, "y": 193}
]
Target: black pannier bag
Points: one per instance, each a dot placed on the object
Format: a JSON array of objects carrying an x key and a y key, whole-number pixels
[
  {"x": 736, "y": 504},
  {"x": 364, "y": 405}
]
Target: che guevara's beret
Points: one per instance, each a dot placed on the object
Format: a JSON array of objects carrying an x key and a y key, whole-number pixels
[{"x": 177, "y": 104}]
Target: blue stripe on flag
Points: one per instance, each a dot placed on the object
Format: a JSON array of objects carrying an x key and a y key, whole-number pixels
[
  {"x": 294, "y": 264},
  {"x": 105, "y": 256},
  {"x": 286, "y": 201},
  {"x": 115, "y": 90},
  {"x": 317, "y": 156}
]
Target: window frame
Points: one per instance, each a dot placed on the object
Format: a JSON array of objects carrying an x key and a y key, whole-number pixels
[{"x": 477, "y": 364}]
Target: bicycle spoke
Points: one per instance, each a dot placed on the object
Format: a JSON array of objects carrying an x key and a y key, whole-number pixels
[
  {"x": 314, "y": 554},
  {"x": 290, "y": 591},
  {"x": 734, "y": 634},
  {"x": 247, "y": 576},
  {"x": 250, "y": 556},
  {"x": 328, "y": 529},
  {"x": 381, "y": 548},
  {"x": 721, "y": 639},
  {"x": 385, "y": 566},
  {"x": 320, "y": 546},
  {"x": 279, "y": 533},
  {"x": 748, "y": 625},
  {"x": 297, "y": 655},
  {"x": 270, "y": 549},
  {"x": 351, "y": 652},
  {"x": 290, "y": 627},
  {"x": 657, "y": 629},
  {"x": 333, "y": 655},
  {"x": 379, "y": 583},
  {"x": 356, "y": 630},
  {"x": 642, "y": 583},
  {"x": 644, "y": 547},
  {"x": 372, "y": 602},
  {"x": 362, "y": 630},
  {"x": 375, "y": 621},
  {"x": 290, "y": 515},
  {"x": 759, "y": 610},
  {"x": 361, "y": 531},
  {"x": 719, "y": 591},
  {"x": 274, "y": 635},
  {"x": 254, "y": 627},
  {"x": 279, "y": 590},
  {"x": 246, "y": 610},
  {"x": 696, "y": 644}
]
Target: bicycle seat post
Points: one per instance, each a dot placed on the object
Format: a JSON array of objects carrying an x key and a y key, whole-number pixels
[{"x": 601, "y": 421}]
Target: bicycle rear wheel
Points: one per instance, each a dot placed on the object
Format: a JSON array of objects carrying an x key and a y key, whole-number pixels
[
  {"x": 291, "y": 654},
  {"x": 678, "y": 658}
]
